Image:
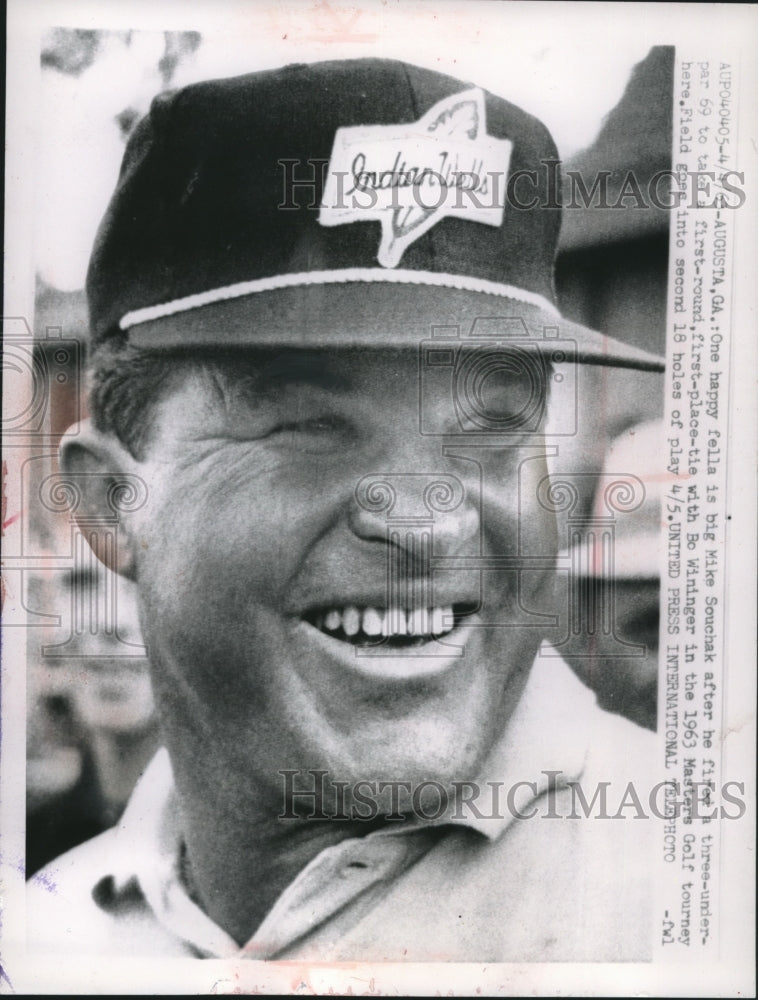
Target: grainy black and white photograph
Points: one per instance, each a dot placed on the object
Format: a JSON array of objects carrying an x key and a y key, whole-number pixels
[{"x": 371, "y": 389}]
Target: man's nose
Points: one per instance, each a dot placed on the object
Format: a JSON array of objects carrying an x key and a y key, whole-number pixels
[{"x": 414, "y": 510}]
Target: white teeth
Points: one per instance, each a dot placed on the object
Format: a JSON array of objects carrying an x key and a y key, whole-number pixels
[
  {"x": 351, "y": 620},
  {"x": 333, "y": 620},
  {"x": 389, "y": 622},
  {"x": 418, "y": 621},
  {"x": 441, "y": 620},
  {"x": 398, "y": 622},
  {"x": 372, "y": 622}
]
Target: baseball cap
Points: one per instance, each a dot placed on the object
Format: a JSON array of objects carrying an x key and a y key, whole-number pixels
[{"x": 347, "y": 203}]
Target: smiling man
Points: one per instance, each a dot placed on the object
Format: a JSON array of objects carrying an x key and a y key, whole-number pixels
[{"x": 324, "y": 337}]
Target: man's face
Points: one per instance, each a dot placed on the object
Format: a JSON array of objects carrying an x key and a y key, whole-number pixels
[{"x": 301, "y": 614}]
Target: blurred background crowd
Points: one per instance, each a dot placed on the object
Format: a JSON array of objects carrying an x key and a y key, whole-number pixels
[{"x": 91, "y": 722}]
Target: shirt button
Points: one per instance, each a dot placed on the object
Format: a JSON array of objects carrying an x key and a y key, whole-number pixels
[{"x": 355, "y": 868}]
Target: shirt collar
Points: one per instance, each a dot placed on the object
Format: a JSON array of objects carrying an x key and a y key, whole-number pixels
[
  {"x": 544, "y": 743},
  {"x": 545, "y": 736},
  {"x": 148, "y": 849}
]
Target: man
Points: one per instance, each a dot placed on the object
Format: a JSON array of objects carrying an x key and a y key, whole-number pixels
[{"x": 324, "y": 337}]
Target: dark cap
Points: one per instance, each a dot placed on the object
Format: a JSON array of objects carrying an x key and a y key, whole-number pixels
[{"x": 362, "y": 202}]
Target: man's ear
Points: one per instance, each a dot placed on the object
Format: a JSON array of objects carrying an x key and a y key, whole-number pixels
[{"x": 100, "y": 477}]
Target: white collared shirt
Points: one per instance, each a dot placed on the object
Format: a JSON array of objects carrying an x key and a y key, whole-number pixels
[{"x": 477, "y": 884}]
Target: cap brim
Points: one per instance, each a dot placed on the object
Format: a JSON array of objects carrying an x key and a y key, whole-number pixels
[{"x": 380, "y": 315}]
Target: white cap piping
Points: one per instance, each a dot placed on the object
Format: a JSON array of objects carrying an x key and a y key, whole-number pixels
[{"x": 355, "y": 274}]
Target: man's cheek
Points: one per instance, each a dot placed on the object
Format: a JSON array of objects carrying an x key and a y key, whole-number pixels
[
  {"x": 201, "y": 662},
  {"x": 521, "y": 545},
  {"x": 537, "y": 506}
]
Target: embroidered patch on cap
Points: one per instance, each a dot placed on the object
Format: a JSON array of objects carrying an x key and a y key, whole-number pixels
[{"x": 410, "y": 177}]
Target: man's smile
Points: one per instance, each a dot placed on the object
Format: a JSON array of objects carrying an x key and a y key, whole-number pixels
[
  {"x": 390, "y": 643},
  {"x": 394, "y": 625}
]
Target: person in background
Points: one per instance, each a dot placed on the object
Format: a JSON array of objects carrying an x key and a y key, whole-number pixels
[
  {"x": 102, "y": 687},
  {"x": 618, "y": 656}
]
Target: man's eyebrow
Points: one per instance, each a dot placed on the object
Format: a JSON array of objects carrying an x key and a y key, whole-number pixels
[
  {"x": 303, "y": 368},
  {"x": 269, "y": 375}
]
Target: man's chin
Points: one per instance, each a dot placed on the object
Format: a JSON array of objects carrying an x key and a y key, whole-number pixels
[
  {"x": 418, "y": 748},
  {"x": 415, "y": 722},
  {"x": 394, "y": 789}
]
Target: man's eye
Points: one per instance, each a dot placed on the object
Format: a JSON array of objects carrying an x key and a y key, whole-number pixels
[
  {"x": 309, "y": 425},
  {"x": 309, "y": 433}
]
